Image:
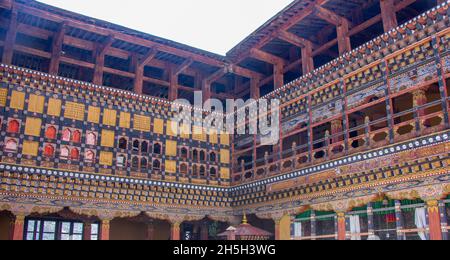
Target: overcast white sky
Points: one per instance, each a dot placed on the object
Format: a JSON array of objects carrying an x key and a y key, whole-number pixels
[{"x": 212, "y": 25}]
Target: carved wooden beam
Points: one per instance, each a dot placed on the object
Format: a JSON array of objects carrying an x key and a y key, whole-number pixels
[{"x": 183, "y": 66}]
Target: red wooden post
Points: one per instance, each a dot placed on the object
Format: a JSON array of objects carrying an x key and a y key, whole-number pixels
[
  {"x": 18, "y": 227},
  {"x": 341, "y": 226},
  {"x": 105, "y": 230},
  {"x": 388, "y": 15},
  {"x": 434, "y": 219},
  {"x": 175, "y": 231}
]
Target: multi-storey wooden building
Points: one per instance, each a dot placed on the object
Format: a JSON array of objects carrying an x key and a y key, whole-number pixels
[{"x": 87, "y": 151}]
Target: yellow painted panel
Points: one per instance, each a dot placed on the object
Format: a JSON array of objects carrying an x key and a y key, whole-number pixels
[
  {"x": 74, "y": 111},
  {"x": 171, "y": 166},
  {"x": 3, "y": 96},
  {"x": 224, "y": 173},
  {"x": 172, "y": 128},
  {"x": 106, "y": 158},
  {"x": 225, "y": 139},
  {"x": 224, "y": 156},
  {"x": 158, "y": 126},
  {"x": 125, "y": 120},
  {"x": 33, "y": 126},
  {"x": 17, "y": 100},
  {"x": 109, "y": 117},
  {"x": 185, "y": 131},
  {"x": 142, "y": 123},
  {"x": 54, "y": 107},
  {"x": 171, "y": 148},
  {"x": 36, "y": 104},
  {"x": 213, "y": 136},
  {"x": 107, "y": 138},
  {"x": 93, "y": 115},
  {"x": 198, "y": 133},
  {"x": 30, "y": 148}
]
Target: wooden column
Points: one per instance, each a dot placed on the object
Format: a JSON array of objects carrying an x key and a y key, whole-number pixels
[
  {"x": 255, "y": 92},
  {"x": 388, "y": 14},
  {"x": 8, "y": 49},
  {"x": 278, "y": 75},
  {"x": 18, "y": 227},
  {"x": 341, "y": 226},
  {"x": 175, "y": 231},
  {"x": 100, "y": 52},
  {"x": 139, "y": 67},
  {"x": 57, "y": 45},
  {"x": 204, "y": 232},
  {"x": 434, "y": 219},
  {"x": 419, "y": 99},
  {"x": 343, "y": 37},
  {"x": 87, "y": 231},
  {"x": 336, "y": 128},
  {"x": 307, "y": 59},
  {"x": 105, "y": 227},
  {"x": 206, "y": 90},
  {"x": 283, "y": 228},
  {"x": 173, "y": 88},
  {"x": 150, "y": 231}
]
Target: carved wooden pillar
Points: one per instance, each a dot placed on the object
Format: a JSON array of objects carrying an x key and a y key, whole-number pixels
[
  {"x": 278, "y": 75},
  {"x": 341, "y": 226},
  {"x": 87, "y": 231},
  {"x": 105, "y": 229},
  {"x": 175, "y": 231},
  {"x": 336, "y": 128},
  {"x": 434, "y": 219},
  {"x": 283, "y": 227},
  {"x": 419, "y": 99},
  {"x": 18, "y": 227}
]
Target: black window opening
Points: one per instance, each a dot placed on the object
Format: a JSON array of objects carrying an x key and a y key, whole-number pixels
[{"x": 41, "y": 229}]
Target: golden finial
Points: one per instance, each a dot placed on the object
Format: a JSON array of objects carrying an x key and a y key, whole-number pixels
[{"x": 244, "y": 220}]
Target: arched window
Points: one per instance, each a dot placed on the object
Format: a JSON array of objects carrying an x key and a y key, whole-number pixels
[
  {"x": 11, "y": 145},
  {"x": 195, "y": 155},
  {"x": 67, "y": 135},
  {"x": 123, "y": 143},
  {"x": 202, "y": 156},
  {"x": 156, "y": 165},
  {"x": 136, "y": 145},
  {"x": 144, "y": 147},
  {"x": 121, "y": 161},
  {"x": 195, "y": 170},
  {"x": 184, "y": 153},
  {"x": 183, "y": 169},
  {"x": 212, "y": 172},
  {"x": 157, "y": 148},
  {"x": 13, "y": 127},
  {"x": 49, "y": 150},
  {"x": 74, "y": 154},
  {"x": 89, "y": 156},
  {"x": 135, "y": 162},
  {"x": 212, "y": 157},
  {"x": 91, "y": 138},
  {"x": 65, "y": 152},
  {"x": 202, "y": 171},
  {"x": 76, "y": 136},
  {"x": 50, "y": 133},
  {"x": 144, "y": 163}
]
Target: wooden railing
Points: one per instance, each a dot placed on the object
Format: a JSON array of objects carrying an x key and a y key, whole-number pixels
[{"x": 368, "y": 136}]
